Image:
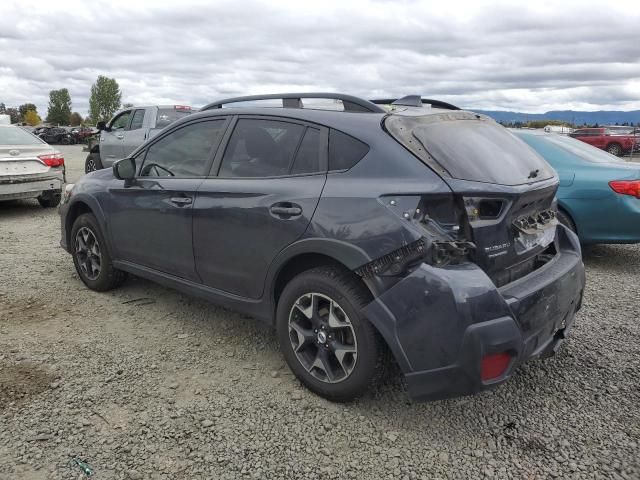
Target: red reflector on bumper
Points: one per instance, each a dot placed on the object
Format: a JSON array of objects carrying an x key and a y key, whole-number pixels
[{"x": 494, "y": 365}]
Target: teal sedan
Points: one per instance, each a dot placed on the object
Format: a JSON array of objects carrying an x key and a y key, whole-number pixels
[{"x": 599, "y": 194}]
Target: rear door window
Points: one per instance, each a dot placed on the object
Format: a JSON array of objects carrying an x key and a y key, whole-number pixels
[
  {"x": 307, "y": 159},
  {"x": 263, "y": 148},
  {"x": 184, "y": 152}
]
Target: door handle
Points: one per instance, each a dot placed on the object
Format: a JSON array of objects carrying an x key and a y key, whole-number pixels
[
  {"x": 120, "y": 136},
  {"x": 181, "y": 201},
  {"x": 286, "y": 210}
]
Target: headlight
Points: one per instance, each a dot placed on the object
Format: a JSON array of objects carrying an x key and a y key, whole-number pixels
[{"x": 68, "y": 190}]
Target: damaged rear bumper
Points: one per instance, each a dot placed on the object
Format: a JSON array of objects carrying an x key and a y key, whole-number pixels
[
  {"x": 441, "y": 322},
  {"x": 27, "y": 186}
]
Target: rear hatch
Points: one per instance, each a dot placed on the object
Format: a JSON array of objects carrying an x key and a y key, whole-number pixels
[{"x": 504, "y": 191}]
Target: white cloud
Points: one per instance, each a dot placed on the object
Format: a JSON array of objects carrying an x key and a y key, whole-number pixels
[{"x": 536, "y": 57}]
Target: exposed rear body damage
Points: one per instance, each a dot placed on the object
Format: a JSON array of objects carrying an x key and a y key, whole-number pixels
[{"x": 436, "y": 228}]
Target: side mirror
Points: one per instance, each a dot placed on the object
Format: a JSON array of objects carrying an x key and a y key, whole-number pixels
[
  {"x": 101, "y": 125},
  {"x": 125, "y": 169}
]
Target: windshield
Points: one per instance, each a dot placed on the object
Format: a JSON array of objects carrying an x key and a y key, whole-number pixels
[
  {"x": 17, "y": 136},
  {"x": 469, "y": 147},
  {"x": 575, "y": 147},
  {"x": 167, "y": 116}
]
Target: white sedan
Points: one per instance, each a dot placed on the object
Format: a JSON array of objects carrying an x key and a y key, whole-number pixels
[{"x": 29, "y": 167}]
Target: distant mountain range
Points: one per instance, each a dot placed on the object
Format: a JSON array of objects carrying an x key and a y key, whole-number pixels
[{"x": 601, "y": 117}]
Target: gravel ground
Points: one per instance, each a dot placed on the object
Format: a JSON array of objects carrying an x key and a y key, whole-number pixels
[{"x": 144, "y": 382}]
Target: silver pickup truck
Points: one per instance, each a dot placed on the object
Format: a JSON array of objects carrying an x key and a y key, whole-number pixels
[{"x": 128, "y": 129}]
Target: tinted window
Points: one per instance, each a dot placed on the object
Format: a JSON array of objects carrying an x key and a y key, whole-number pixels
[
  {"x": 466, "y": 146},
  {"x": 185, "y": 152},
  {"x": 345, "y": 151},
  {"x": 136, "y": 122},
  {"x": 308, "y": 157},
  {"x": 261, "y": 148},
  {"x": 167, "y": 116},
  {"x": 121, "y": 121}
]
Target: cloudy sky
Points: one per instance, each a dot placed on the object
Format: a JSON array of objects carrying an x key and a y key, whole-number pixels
[{"x": 477, "y": 54}]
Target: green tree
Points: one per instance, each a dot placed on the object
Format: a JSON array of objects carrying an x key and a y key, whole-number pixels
[
  {"x": 14, "y": 113},
  {"x": 75, "y": 119},
  {"x": 31, "y": 117},
  {"x": 24, "y": 108},
  {"x": 3, "y": 109},
  {"x": 105, "y": 99},
  {"x": 59, "y": 106}
]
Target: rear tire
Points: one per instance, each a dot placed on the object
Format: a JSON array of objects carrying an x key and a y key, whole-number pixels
[
  {"x": 50, "y": 200},
  {"x": 614, "y": 149},
  {"x": 335, "y": 356},
  {"x": 91, "y": 256},
  {"x": 92, "y": 163}
]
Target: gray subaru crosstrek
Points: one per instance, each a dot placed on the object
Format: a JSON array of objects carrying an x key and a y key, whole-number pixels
[{"x": 408, "y": 226}]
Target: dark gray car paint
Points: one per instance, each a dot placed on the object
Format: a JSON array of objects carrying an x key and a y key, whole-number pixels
[{"x": 354, "y": 223}]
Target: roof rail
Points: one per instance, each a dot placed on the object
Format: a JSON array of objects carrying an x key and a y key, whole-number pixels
[
  {"x": 415, "y": 101},
  {"x": 294, "y": 100}
]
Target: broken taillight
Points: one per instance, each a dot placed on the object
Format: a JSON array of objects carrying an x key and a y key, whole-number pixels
[
  {"x": 626, "y": 187},
  {"x": 52, "y": 159}
]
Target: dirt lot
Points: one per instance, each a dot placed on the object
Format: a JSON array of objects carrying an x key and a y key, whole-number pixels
[{"x": 144, "y": 382}]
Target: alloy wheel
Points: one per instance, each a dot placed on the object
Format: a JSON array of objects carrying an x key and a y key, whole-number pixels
[
  {"x": 88, "y": 253},
  {"x": 90, "y": 166},
  {"x": 322, "y": 337}
]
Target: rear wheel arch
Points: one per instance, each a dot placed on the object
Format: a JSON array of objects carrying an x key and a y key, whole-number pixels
[{"x": 302, "y": 262}]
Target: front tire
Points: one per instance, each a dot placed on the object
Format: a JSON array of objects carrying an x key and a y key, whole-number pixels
[
  {"x": 92, "y": 163},
  {"x": 91, "y": 256},
  {"x": 326, "y": 341}
]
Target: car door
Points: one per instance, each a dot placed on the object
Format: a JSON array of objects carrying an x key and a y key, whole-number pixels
[
  {"x": 111, "y": 140},
  {"x": 135, "y": 133},
  {"x": 151, "y": 217},
  {"x": 269, "y": 179}
]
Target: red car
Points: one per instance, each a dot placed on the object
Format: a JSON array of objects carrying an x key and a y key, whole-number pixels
[{"x": 614, "y": 142}]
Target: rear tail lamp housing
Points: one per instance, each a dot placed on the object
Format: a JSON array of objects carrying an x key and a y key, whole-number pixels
[
  {"x": 494, "y": 365},
  {"x": 626, "y": 187},
  {"x": 52, "y": 159}
]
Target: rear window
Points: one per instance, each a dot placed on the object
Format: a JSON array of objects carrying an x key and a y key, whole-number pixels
[
  {"x": 17, "y": 136},
  {"x": 550, "y": 145},
  {"x": 471, "y": 147},
  {"x": 167, "y": 116},
  {"x": 345, "y": 151}
]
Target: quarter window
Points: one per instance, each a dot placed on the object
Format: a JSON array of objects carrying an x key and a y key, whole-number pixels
[
  {"x": 184, "y": 152},
  {"x": 266, "y": 148},
  {"x": 345, "y": 151}
]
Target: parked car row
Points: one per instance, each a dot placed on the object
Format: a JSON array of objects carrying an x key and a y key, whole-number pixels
[{"x": 64, "y": 135}]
